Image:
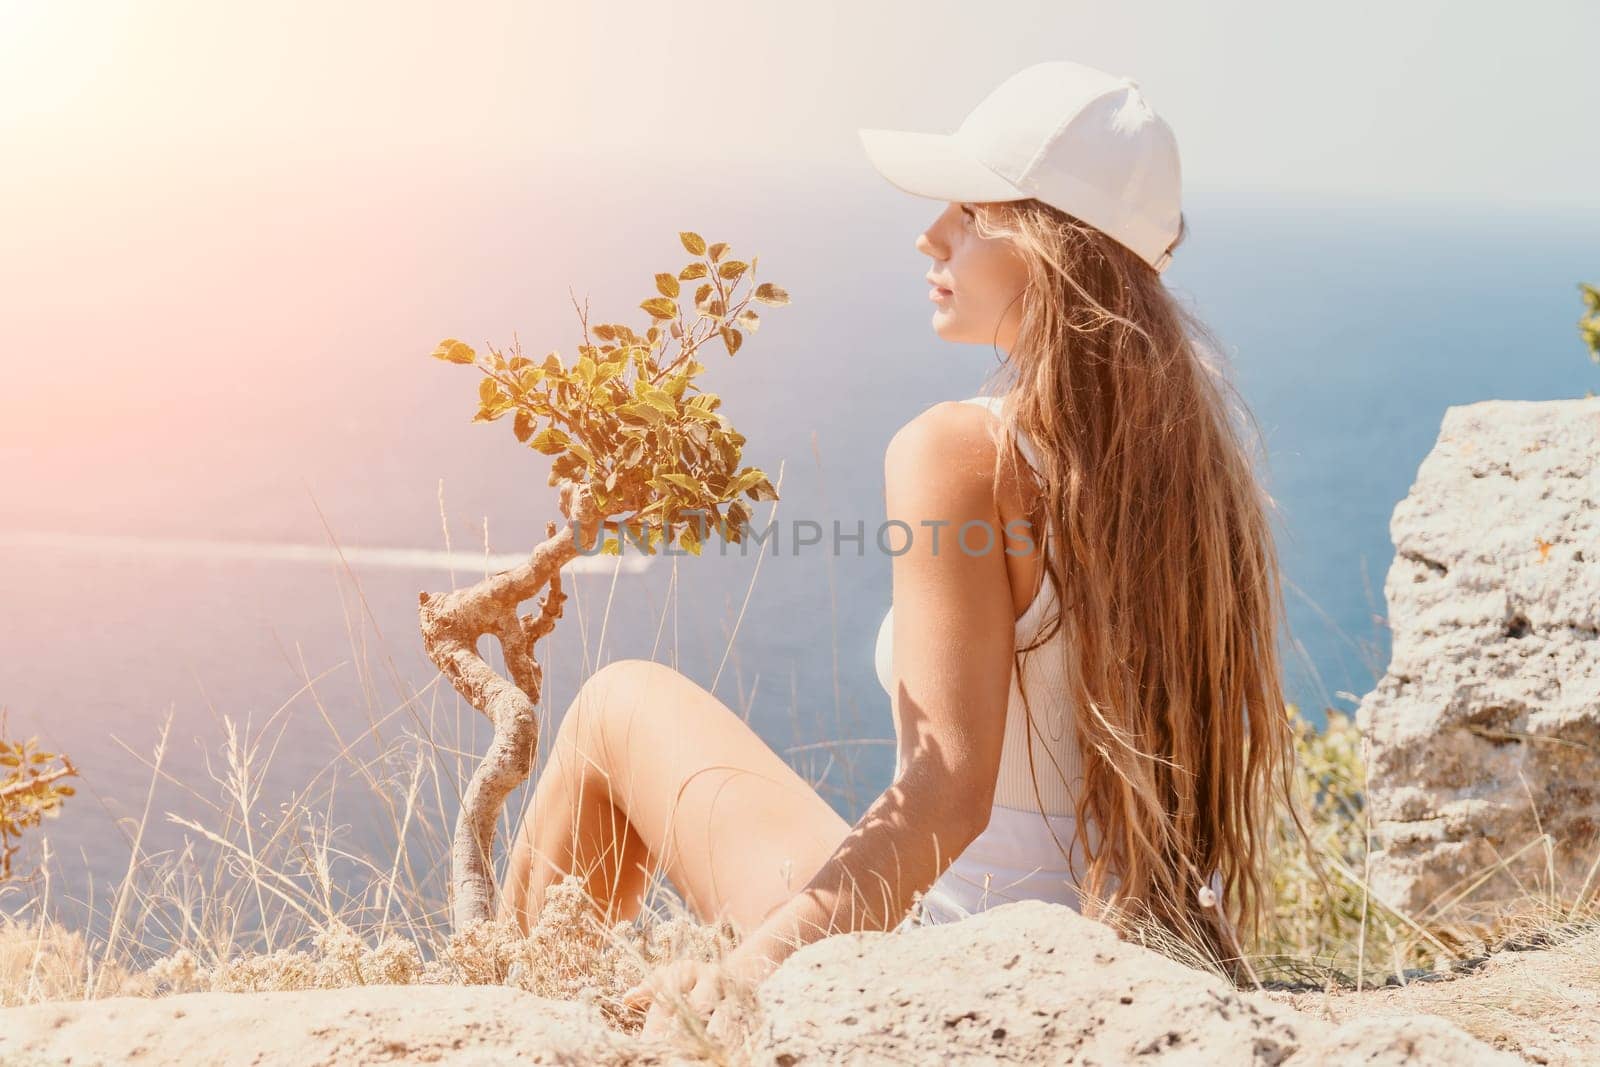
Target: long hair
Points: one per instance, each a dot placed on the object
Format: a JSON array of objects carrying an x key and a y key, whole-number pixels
[{"x": 1167, "y": 579}]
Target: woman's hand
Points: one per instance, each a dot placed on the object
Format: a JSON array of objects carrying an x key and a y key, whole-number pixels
[{"x": 705, "y": 986}]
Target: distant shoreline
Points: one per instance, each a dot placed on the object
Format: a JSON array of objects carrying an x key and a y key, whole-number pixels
[{"x": 417, "y": 559}]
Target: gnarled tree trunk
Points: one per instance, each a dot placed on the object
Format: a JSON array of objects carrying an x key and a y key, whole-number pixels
[{"x": 452, "y": 623}]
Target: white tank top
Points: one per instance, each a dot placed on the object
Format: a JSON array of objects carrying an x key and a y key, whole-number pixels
[{"x": 1043, "y": 672}]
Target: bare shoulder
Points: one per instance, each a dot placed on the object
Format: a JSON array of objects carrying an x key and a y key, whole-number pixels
[
  {"x": 945, "y": 460},
  {"x": 951, "y": 443},
  {"x": 942, "y": 466}
]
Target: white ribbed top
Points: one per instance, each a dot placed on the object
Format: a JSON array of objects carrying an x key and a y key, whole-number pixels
[{"x": 1043, "y": 672}]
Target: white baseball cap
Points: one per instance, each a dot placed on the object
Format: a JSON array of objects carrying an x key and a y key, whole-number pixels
[{"x": 1074, "y": 137}]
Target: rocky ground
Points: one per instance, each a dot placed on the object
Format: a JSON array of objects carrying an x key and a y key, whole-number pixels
[
  {"x": 1028, "y": 982},
  {"x": 1543, "y": 1005}
]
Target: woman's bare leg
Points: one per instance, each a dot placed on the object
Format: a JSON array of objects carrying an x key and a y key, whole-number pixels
[{"x": 649, "y": 771}]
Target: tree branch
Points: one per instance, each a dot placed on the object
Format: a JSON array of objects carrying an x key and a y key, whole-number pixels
[{"x": 451, "y": 624}]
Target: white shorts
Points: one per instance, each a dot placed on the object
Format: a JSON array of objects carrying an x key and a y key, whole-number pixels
[{"x": 1014, "y": 858}]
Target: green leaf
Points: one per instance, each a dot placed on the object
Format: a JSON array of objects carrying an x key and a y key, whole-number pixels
[
  {"x": 690, "y": 539},
  {"x": 565, "y": 466},
  {"x": 748, "y": 478},
  {"x": 684, "y": 482},
  {"x": 657, "y": 398},
  {"x": 642, "y": 411},
  {"x": 550, "y": 441},
  {"x": 453, "y": 351},
  {"x": 700, "y": 440},
  {"x": 763, "y": 490},
  {"x": 660, "y": 307},
  {"x": 767, "y": 293}
]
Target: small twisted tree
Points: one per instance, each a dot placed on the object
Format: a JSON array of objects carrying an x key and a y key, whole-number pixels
[
  {"x": 31, "y": 790},
  {"x": 1589, "y": 322},
  {"x": 641, "y": 455}
]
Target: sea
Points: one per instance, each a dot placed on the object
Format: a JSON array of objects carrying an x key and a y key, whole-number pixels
[{"x": 228, "y": 464}]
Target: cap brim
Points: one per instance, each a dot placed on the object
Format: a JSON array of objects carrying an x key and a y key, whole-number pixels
[{"x": 934, "y": 165}]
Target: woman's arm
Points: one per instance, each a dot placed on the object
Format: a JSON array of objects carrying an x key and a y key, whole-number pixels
[{"x": 954, "y": 635}]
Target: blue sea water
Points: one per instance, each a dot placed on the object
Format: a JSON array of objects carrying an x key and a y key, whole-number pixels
[{"x": 296, "y": 404}]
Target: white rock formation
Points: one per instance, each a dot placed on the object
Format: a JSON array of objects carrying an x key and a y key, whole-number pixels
[
  {"x": 1486, "y": 728},
  {"x": 1026, "y": 982},
  {"x": 1035, "y": 982},
  {"x": 436, "y": 1024}
]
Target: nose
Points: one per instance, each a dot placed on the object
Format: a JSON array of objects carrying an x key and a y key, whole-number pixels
[{"x": 930, "y": 242}]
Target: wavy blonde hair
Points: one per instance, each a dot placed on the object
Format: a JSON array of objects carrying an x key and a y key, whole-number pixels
[{"x": 1167, "y": 578}]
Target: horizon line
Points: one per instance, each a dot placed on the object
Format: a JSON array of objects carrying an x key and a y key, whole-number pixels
[{"x": 393, "y": 558}]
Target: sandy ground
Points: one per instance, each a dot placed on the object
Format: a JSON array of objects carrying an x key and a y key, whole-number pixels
[{"x": 1543, "y": 1005}]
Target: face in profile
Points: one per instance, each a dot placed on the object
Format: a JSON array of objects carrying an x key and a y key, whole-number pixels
[{"x": 975, "y": 282}]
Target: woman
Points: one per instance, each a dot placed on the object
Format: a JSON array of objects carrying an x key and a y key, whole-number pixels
[{"x": 1089, "y": 711}]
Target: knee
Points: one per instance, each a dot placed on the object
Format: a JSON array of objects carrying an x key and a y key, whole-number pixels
[
  {"x": 624, "y": 683},
  {"x": 627, "y": 671},
  {"x": 610, "y": 697}
]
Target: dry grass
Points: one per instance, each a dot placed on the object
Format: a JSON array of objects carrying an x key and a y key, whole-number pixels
[
  {"x": 259, "y": 901},
  {"x": 1329, "y": 929},
  {"x": 273, "y": 896},
  {"x": 1540, "y": 1004}
]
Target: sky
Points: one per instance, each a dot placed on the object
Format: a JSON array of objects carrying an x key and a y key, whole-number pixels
[
  {"x": 1464, "y": 103},
  {"x": 195, "y": 193}
]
